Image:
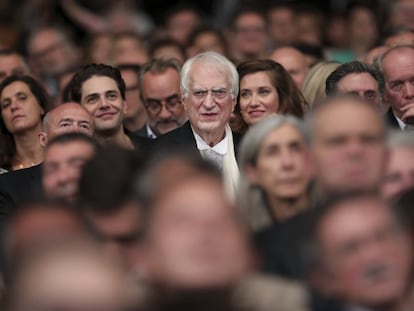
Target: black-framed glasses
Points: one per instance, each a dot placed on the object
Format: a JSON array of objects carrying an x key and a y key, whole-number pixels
[{"x": 170, "y": 103}]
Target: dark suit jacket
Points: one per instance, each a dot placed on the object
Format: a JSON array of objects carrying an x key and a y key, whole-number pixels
[
  {"x": 391, "y": 120},
  {"x": 18, "y": 187},
  {"x": 142, "y": 132},
  {"x": 182, "y": 140}
]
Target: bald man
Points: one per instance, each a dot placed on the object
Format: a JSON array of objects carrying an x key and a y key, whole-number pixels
[
  {"x": 18, "y": 187},
  {"x": 66, "y": 118},
  {"x": 293, "y": 61}
]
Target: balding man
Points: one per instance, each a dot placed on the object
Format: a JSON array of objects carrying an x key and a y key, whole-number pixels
[
  {"x": 65, "y": 118},
  {"x": 293, "y": 61},
  {"x": 397, "y": 67},
  {"x": 24, "y": 185}
]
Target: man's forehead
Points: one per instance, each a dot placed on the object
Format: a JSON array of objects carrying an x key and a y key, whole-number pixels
[
  {"x": 99, "y": 84},
  {"x": 73, "y": 112}
]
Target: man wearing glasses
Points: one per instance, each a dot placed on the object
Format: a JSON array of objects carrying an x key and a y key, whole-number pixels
[
  {"x": 161, "y": 96},
  {"x": 209, "y": 87}
]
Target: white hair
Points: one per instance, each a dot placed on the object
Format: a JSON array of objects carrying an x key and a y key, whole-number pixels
[{"x": 214, "y": 59}]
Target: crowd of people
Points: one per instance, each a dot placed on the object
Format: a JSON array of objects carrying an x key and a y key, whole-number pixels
[{"x": 265, "y": 166}]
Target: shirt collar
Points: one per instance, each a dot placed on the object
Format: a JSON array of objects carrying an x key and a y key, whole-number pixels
[
  {"x": 150, "y": 133},
  {"x": 220, "y": 148}
]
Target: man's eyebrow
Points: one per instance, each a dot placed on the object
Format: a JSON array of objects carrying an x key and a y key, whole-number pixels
[{"x": 65, "y": 120}]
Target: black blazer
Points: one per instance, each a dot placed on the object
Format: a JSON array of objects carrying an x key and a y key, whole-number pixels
[
  {"x": 390, "y": 120},
  {"x": 18, "y": 187},
  {"x": 182, "y": 140}
]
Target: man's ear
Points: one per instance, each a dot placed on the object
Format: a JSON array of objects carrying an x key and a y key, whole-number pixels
[
  {"x": 234, "y": 102},
  {"x": 184, "y": 102},
  {"x": 43, "y": 139}
]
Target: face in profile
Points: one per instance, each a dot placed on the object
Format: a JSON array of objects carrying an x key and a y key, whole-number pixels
[
  {"x": 258, "y": 97},
  {"x": 282, "y": 167},
  {"x": 365, "y": 255},
  {"x": 20, "y": 109},
  {"x": 195, "y": 239}
]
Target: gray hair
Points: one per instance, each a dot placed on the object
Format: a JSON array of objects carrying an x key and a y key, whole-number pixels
[
  {"x": 251, "y": 197},
  {"x": 214, "y": 59}
]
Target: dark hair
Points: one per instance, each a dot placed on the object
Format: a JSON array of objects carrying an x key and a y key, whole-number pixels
[
  {"x": 350, "y": 68},
  {"x": 165, "y": 42},
  {"x": 135, "y": 68},
  {"x": 107, "y": 180},
  {"x": 71, "y": 137},
  {"x": 291, "y": 100},
  {"x": 8, "y": 148},
  {"x": 202, "y": 29},
  {"x": 244, "y": 11},
  {"x": 178, "y": 8},
  {"x": 88, "y": 71}
]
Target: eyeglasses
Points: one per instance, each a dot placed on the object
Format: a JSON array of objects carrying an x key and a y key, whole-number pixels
[
  {"x": 154, "y": 106},
  {"x": 215, "y": 93}
]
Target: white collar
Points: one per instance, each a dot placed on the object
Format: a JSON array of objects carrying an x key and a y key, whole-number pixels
[
  {"x": 150, "y": 132},
  {"x": 220, "y": 148}
]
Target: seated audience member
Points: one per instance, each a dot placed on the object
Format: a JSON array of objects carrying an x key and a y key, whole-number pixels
[
  {"x": 159, "y": 82},
  {"x": 135, "y": 116},
  {"x": 248, "y": 31},
  {"x": 66, "y": 118},
  {"x": 129, "y": 48},
  {"x": 359, "y": 253},
  {"x": 374, "y": 54},
  {"x": 50, "y": 53},
  {"x": 310, "y": 23},
  {"x": 180, "y": 21},
  {"x": 24, "y": 102},
  {"x": 282, "y": 24},
  {"x": 24, "y": 185},
  {"x": 12, "y": 63},
  {"x": 265, "y": 88},
  {"x": 167, "y": 49},
  {"x": 98, "y": 48},
  {"x": 65, "y": 156},
  {"x": 209, "y": 88},
  {"x": 196, "y": 246},
  {"x": 363, "y": 27},
  {"x": 101, "y": 90},
  {"x": 400, "y": 35},
  {"x": 399, "y": 173},
  {"x": 396, "y": 65},
  {"x": 76, "y": 275},
  {"x": 275, "y": 171},
  {"x": 314, "y": 85},
  {"x": 347, "y": 144},
  {"x": 206, "y": 38},
  {"x": 358, "y": 78},
  {"x": 293, "y": 61},
  {"x": 401, "y": 13},
  {"x": 108, "y": 205},
  {"x": 36, "y": 224}
]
